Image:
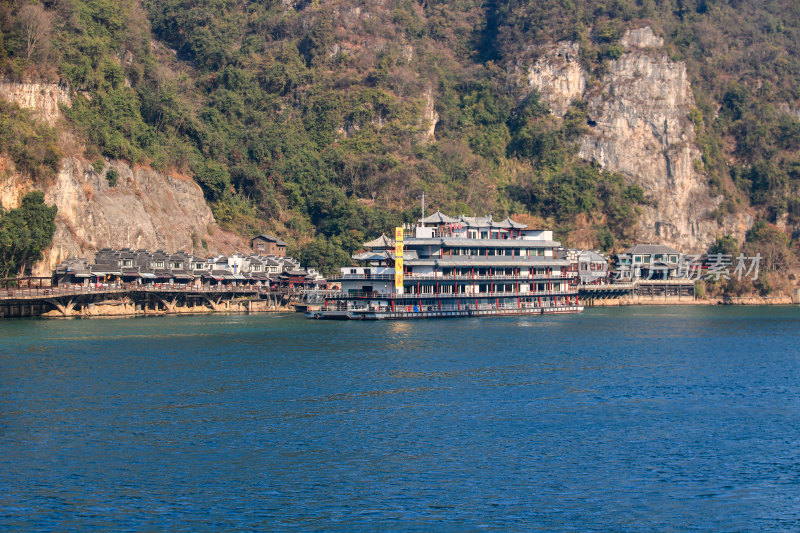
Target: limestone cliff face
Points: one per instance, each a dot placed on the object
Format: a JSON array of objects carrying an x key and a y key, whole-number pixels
[
  {"x": 145, "y": 209},
  {"x": 642, "y": 130},
  {"x": 557, "y": 74},
  {"x": 43, "y": 98},
  {"x": 429, "y": 118}
]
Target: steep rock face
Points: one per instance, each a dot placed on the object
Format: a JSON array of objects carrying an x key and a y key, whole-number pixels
[
  {"x": 429, "y": 118},
  {"x": 642, "y": 130},
  {"x": 146, "y": 209},
  {"x": 43, "y": 98},
  {"x": 558, "y": 76}
]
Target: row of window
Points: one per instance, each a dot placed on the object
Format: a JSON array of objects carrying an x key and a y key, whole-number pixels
[
  {"x": 484, "y": 288},
  {"x": 491, "y": 252}
]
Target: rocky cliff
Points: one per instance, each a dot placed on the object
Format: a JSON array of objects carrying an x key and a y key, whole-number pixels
[
  {"x": 45, "y": 99},
  {"x": 639, "y": 112},
  {"x": 145, "y": 209}
]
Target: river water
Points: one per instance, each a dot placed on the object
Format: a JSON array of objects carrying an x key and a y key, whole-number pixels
[{"x": 632, "y": 419}]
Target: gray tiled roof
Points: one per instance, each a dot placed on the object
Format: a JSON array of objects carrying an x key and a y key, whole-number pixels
[
  {"x": 371, "y": 256},
  {"x": 438, "y": 218},
  {"x": 381, "y": 242},
  {"x": 589, "y": 255},
  {"x": 476, "y": 222},
  {"x": 508, "y": 223},
  {"x": 652, "y": 249}
]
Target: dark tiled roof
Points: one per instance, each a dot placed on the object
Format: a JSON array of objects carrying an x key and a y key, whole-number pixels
[{"x": 269, "y": 238}]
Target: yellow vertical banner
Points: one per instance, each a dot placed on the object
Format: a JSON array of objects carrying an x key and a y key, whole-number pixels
[{"x": 398, "y": 258}]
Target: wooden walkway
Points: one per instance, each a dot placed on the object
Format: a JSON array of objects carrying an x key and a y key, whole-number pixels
[
  {"x": 162, "y": 298},
  {"x": 649, "y": 289}
]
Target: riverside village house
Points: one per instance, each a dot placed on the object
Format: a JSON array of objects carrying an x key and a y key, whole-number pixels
[{"x": 265, "y": 244}]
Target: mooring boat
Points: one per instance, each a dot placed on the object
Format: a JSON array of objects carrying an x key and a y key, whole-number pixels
[{"x": 454, "y": 267}]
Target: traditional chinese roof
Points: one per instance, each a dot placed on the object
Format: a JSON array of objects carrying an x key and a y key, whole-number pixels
[
  {"x": 508, "y": 223},
  {"x": 438, "y": 218},
  {"x": 476, "y": 222},
  {"x": 381, "y": 242},
  {"x": 371, "y": 256}
]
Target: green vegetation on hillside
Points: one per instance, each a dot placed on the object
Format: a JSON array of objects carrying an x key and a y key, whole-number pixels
[
  {"x": 30, "y": 144},
  {"x": 306, "y": 118}
]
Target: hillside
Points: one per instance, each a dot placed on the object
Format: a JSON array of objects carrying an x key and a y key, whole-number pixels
[{"x": 324, "y": 121}]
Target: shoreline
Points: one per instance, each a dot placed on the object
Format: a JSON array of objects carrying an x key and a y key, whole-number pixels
[
  {"x": 127, "y": 309},
  {"x": 109, "y": 314},
  {"x": 725, "y": 300}
]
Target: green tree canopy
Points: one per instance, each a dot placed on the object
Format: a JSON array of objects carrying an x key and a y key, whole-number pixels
[{"x": 24, "y": 233}]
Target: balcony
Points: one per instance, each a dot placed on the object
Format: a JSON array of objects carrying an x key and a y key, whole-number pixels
[{"x": 375, "y": 295}]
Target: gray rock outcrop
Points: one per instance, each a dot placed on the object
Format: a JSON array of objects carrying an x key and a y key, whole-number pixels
[
  {"x": 145, "y": 209},
  {"x": 641, "y": 129},
  {"x": 44, "y": 99},
  {"x": 558, "y": 76}
]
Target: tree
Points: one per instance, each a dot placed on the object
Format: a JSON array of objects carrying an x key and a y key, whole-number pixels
[
  {"x": 25, "y": 232},
  {"x": 14, "y": 239},
  {"x": 36, "y": 24}
]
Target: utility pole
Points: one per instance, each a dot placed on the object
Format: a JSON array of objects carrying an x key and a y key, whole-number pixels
[{"x": 423, "y": 206}]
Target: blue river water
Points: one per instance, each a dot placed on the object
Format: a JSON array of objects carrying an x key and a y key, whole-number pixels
[{"x": 632, "y": 419}]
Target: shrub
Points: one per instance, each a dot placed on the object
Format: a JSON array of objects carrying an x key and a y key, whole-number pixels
[{"x": 112, "y": 176}]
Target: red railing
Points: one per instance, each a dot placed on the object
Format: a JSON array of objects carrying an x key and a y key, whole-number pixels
[{"x": 428, "y": 296}]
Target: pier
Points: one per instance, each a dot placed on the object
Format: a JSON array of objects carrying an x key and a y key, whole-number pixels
[{"x": 640, "y": 291}]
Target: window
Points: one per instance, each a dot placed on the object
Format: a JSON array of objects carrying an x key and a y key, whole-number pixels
[{"x": 127, "y": 262}]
